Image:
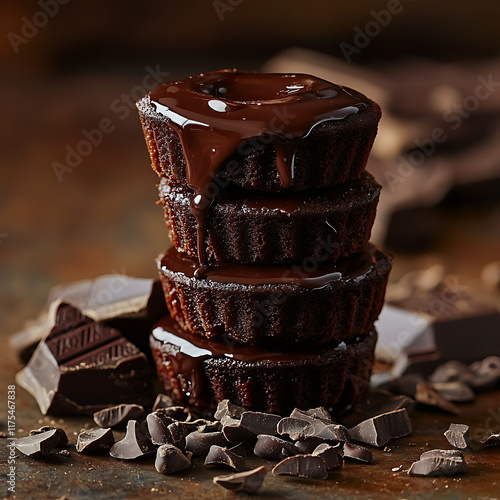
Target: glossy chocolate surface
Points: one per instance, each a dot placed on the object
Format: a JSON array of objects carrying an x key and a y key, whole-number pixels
[
  {"x": 215, "y": 113},
  {"x": 309, "y": 275}
]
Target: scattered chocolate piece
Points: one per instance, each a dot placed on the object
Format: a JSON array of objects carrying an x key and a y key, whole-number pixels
[
  {"x": 451, "y": 371},
  {"x": 178, "y": 432},
  {"x": 176, "y": 413},
  {"x": 244, "y": 449},
  {"x": 303, "y": 466},
  {"x": 322, "y": 427},
  {"x": 158, "y": 423},
  {"x": 379, "y": 401},
  {"x": 134, "y": 445},
  {"x": 226, "y": 408},
  {"x": 249, "y": 481},
  {"x": 234, "y": 432},
  {"x": 458, "y": 435},
  {"x": 63, "y": 453},
  {"x": 426, "y": 394},
  {"x": 199, "y": 443},
  {"x": 95, "y": 440},
  {"x": 170, "y": 459},
  {"x": 218, "y": 455},
  {"x": 118, "y": 415},
  {"x": 204, "y": 425},
  {"x": 273, "y": 448},
  {"x": 483, "y": 375},
  {"x": 295, "y": 428},
  {"x": 162, "y": 401},
  {"x": 457, "y": 392},
  {"x": 37, "y": 445},
  {"x": 308, "y": 445},
  {"x": 379, "y": 430},
  {"x": 329, "y": 454},
  {"x": 357, "y": 453},
  {"x": 492, "y": 440},
  {"x": 320, "y": 413},
  {"x": 260, "y": 423},
  {"x": 439, "y": 463},
  {"x": 82, "y": 367},
  {"x": 63, "y": 438}
]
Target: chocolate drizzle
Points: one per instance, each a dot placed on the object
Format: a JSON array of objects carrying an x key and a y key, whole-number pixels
[
  {"x": 309, "y": 274},
  {"x": 215, "y": 113}
]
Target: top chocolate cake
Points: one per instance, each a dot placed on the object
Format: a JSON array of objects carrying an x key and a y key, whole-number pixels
[{"x": 262, "y": 131}]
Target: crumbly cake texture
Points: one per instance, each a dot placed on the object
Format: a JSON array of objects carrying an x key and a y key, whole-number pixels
[
  {"x": 325, "y": 225},
  {"x": 340, "y": 310},
  {"x": 335, "y": 379},
  {"x": 333, "y": 152}
]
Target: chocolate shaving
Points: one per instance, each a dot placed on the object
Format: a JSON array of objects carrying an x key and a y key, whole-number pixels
[
  {"x": 119, "y": 415},
  {"x": 218, "y": 455},
  {"x": 248, "y": 481}
]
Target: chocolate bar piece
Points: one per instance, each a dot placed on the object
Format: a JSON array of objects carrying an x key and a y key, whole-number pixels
[
  {"x": 118, "y": 415},
  {"x": 218, "y": 455},
  {"x": 134, "y": 445},
  {"x": 439, "y": 463},
  {"x": 379, "y": 430},
  {"x": 170, "y": 459},
  {"x": 95, "y": 440},
  {"x": 249, "y": 481},
  {"x": 260, "y": 423},
  {"x": 458, "y": 435},
  {"x": 303, "y": 466},
  {"x": 274, "y": 448},
  {"x": 83, "y": 366},
  {"x": 37, "y": 445}
]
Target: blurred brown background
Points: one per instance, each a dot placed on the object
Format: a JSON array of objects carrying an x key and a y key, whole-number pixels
[{"x": 69, "y": 65}]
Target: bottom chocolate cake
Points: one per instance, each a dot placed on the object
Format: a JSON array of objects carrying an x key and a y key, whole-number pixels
[{"x": 201, "y": 372}]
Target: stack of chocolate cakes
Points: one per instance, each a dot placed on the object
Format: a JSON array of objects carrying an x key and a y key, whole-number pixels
[{"x": 271, "y": 283}]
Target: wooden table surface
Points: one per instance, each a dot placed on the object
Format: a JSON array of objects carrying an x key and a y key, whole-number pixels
[{"x": 101, "y": 217}]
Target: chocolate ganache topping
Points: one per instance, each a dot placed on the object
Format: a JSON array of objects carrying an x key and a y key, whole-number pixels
[
  {"x": 310, "y": 275},
  {"x": 186, "y": 352},
  {"x": 216, "y": 113}
]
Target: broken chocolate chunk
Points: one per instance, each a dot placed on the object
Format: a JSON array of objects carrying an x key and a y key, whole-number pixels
[
  {"x": 379, "y": 401},
  {"x": 295, "y": 428},
  {"x": 226, "y": 408},
  {"x": 235, "y": 432},
  {"x": 158, "y": 423},
  {"x": 37, "y": 445},
  {"x": 303, "y": 466},
  {"x": 274, "y": 448},
  {"x": 162, "y": 401},
  {"x": 426, "y": 394},
  {"x": 492, "y": 440},
  {"x": 118, "y": 415},
  {"x": 450, "y": 371},
  {"x": 218, "y": 455},
  {"x": 308, "y": 445},
  {"x": 134, "y": 445},
  {"x": 260, "y": 423},
  {"x": 457, "y": 391},
  {"x": 320, "y": 413},
  {"x": 244, "y": 449},
  {"x": 357, "y": 453},
  {"x": 439, "y": 463},
  {"x": 249, "y": 481},
  {"x": 379, "y": 430},
  {"x": 81, "y": 368},
  {"x": 329, "y": 454},
  {"x": 178, "y": 432},
  {"x": 322, "y": 427},
  {"x": 170, "y": 459},
  {"x": 458, "y": 435},
  {"x": 483, "y": 375},
  {"x": 199, "y": 443},
  {"x": 63, "y": 438},
  {"x": 95, "y": 440}
]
